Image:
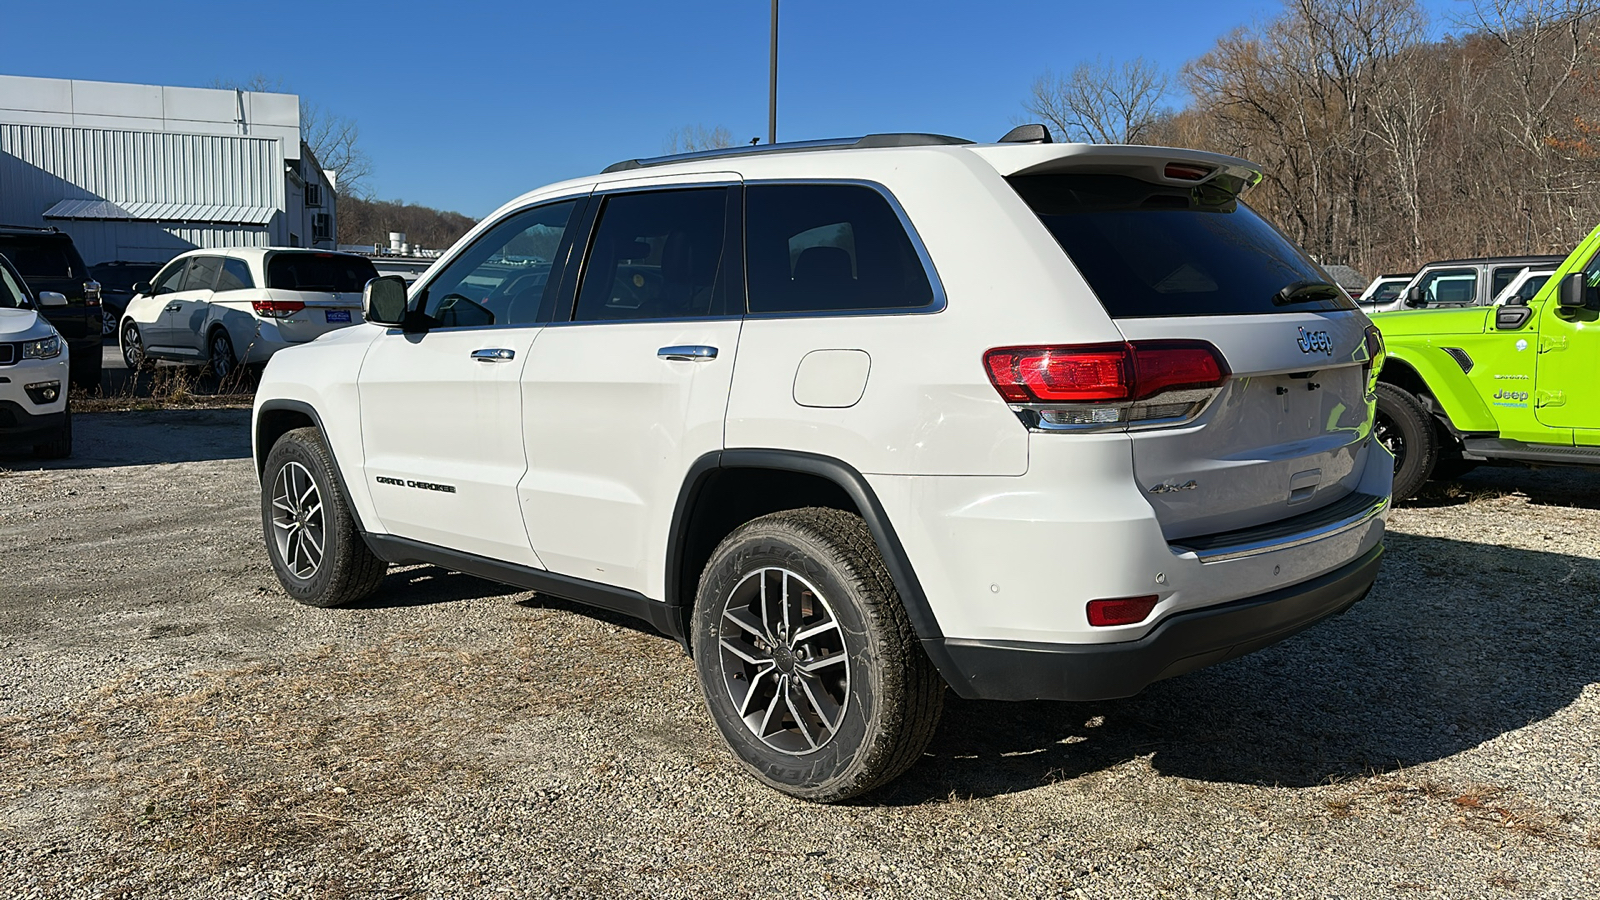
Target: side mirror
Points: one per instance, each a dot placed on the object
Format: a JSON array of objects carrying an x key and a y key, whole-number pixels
[
  {"x": 1574, "y": 291},
  {"x": 1414, "y": 297},
  {"x": 142, "y": 287},
  {"x": 51, "y": 298},
  {"x": 383, "y": 301}
]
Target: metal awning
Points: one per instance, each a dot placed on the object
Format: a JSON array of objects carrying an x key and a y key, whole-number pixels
[{"x": 151, "y": 211}]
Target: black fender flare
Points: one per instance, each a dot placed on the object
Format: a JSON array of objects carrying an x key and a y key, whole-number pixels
[
  {"x": 260, "y": 451},
  {"x": 848, "y": 479}
]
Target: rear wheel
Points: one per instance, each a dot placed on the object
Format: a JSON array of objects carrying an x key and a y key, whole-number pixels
[
  {"x": 312, "y": 539},
  {"x": 807, "y": 661},
  {"x": 1405, "y": 428},
  {"x": 220, "y": 359}
]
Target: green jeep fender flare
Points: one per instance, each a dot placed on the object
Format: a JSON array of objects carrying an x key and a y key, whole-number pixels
[{"x": 1452, "y": 392}]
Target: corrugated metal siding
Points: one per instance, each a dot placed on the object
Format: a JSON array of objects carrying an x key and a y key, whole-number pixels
[
  {"x": 40, "y": 165},
  {"x": 101, "y": 242}
]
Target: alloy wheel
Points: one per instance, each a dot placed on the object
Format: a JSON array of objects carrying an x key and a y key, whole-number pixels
[
  {"x": 1390, "y": 436},
  {"x": 298, "y": 527},
  {"x": 784, "y": 660},
  {"x": 221, "y": 356},
  {"x": 132, "y": 347}
]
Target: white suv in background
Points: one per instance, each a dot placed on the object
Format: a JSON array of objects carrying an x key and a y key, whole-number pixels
[
  {"x": 34, "y": 368},
  {"x": 230, "y": 307},
  {"x": 856, "y": 420}
]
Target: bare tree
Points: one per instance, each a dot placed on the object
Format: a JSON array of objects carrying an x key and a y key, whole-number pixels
[
  {"x": 690, "y": 138},
  {"x": 334, "y": 139},
  {"x": 1101, "y": 102}
]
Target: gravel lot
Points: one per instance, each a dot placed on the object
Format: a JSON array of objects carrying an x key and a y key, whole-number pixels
[{"x": 172, "y": 725}]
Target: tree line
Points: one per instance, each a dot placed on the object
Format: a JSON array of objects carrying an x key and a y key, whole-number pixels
[
  {"x": 1382, "y": 148},
  {"x": 363, "y": 221}
]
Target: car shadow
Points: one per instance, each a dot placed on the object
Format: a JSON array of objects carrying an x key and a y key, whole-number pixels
[
  {"x": 1549, "y": 486},
  {"x": 146, "y": 437},
  {"x": 423, "y": 585},
  {"x": 1457, "y": 644}
]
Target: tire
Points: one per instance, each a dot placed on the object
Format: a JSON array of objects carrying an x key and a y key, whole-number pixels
[
  {"x": 221, "y": 361},
  {"x": 850, "y": 726},
  {"x": 132, "y": 345},
  {"x": 1407, "y": 430},
  {"x": 301, "y": 503},
  {"x": 59, "y": 446},
  {"x": 86, "y": 375}
]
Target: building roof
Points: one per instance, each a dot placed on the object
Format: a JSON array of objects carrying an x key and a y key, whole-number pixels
[{"x": 155, "y": 211}]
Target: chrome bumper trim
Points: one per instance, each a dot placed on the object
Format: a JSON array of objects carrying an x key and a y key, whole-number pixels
[{"x": 1337, "y": 518}]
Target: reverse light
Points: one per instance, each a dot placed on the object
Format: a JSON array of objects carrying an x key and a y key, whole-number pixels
[
  {"x": 276, "y": 309},
  {"x": 1121, "y": 611},
  {"x": 45, "y": 348},
  {"x": 1106, "y": 386}
]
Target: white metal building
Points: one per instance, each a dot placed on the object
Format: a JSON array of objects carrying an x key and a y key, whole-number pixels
[{"x": 143, "y": 172}]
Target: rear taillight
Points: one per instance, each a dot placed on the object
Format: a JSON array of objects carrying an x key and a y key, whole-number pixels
[
  {"x": 276, "y": 309},
  {"x": 91, "y": 293},
  {"x": 1122, "y": 611},
  {"x": 1375, "y": 351},
  {"x": 1107, "y": 386}
]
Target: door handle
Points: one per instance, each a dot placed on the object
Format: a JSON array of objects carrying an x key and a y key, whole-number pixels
[
  {"x": 175, "y": 307},
  {"x": 496, "y": 354},
  {"x": 688, "y": 353}
]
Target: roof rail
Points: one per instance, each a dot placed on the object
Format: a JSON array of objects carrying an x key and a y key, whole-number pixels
[
  {"x": 850, "y": 143},
  {"x": 35, "y": 229}
]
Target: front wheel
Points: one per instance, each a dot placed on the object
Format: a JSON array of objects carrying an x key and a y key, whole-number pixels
[
  {"x": 133, "y": 348},
  {"x": 807, "y": 661},
  {"x": 312, "y": 539},
  {"x": 1403, "y": 426}
]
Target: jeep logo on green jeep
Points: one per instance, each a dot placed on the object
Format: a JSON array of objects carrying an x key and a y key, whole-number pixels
[
  {"x": 1311, "y": 341},
  {"x": 1504, "y": 394}
]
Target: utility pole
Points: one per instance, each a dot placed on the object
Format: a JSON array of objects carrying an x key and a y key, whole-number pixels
[{"x": 772, "y": 82}]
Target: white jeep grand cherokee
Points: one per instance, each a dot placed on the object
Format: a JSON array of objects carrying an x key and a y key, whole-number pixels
[{"x": 857, "y": 420}]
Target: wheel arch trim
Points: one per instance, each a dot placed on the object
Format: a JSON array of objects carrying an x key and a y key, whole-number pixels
[{"x": 261, "y": 450}]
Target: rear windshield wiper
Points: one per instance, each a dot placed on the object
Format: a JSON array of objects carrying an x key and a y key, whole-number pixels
[{"x": 1305, "y": 292}]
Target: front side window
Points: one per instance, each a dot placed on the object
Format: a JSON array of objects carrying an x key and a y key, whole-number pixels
[
  {"x": 1503, "y": 276},
  {"x": 171, "y": 278},
  {"x": 1449, "y": 287},
  {"x": 503, "y": 278},
  {"x": 825, "y": 248},
  {"x": 656, "y": 255},
  {"x": 235, "y": 276}
]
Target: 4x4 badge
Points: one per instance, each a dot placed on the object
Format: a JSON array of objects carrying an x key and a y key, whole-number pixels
[
  {"x": 1311, "y": 341},
  {"x": 1169, "y": 488}
]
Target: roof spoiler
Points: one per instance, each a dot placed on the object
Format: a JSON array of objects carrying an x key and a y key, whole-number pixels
[{"x": 1157, "y": 165}]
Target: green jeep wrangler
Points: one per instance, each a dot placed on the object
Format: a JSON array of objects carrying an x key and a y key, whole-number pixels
[{"x": 1517, "y": 382}]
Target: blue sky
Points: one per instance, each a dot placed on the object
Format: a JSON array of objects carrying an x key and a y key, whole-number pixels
[{"x": 463, "y": 105}]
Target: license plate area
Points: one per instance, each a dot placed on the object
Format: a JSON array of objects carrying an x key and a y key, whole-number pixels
[{"x": 337, "y": 315}]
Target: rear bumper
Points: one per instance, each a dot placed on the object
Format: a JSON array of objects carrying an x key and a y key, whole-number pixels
[{"x": 1182, "y": 642}]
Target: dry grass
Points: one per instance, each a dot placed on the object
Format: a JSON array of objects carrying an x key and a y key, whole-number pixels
[
  {"x": 1484, "y": 808},
  {"x": 171, "y": 387}
]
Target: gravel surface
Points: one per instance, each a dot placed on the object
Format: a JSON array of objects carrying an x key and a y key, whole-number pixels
[{"x": 172, "y": 725}]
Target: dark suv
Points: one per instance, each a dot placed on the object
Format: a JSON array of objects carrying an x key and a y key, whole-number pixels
[{"x": 49, "y": 262}]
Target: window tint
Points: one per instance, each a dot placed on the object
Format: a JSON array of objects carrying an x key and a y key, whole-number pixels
[
  {"x": 235, "y": 275},
  {"x": 1449, "y": 287},
  {"x": 825, "y": 248},
  {"x": 1528, "y": 288},
  {"x": 42, "y": 257},
  {"x": 1387, "y": 291},
  {"x": 171, "y": 278},
  {"x": 1503, "y": 276},
  {"x": 1154, "y": 250},
  {"x": 655, "y": 256},
  {"x": 321, "y": 272},
  {"x": 503, "y": 277},
  {"x": 202, "y": 273}
]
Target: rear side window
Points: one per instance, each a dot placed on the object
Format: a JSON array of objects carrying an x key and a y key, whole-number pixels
[
  {"x": 656, "y": 255},
  {"x": 323, "y": 272},
  {"x": 43, "y": 257},
  {"x": 1151, "y": 250},
  {"x": 1386, "y": 292},
  {"x": 826, "y": 248},
  {"x": 1503, "y": 276},
  {"x": 235, "y": 276}
]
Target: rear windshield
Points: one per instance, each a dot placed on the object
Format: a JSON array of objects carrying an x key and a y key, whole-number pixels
[
  {"x": 1151, "y": 250},
  {"x": 42, "y": 257},
  {"x": 328, "y": 272}
]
